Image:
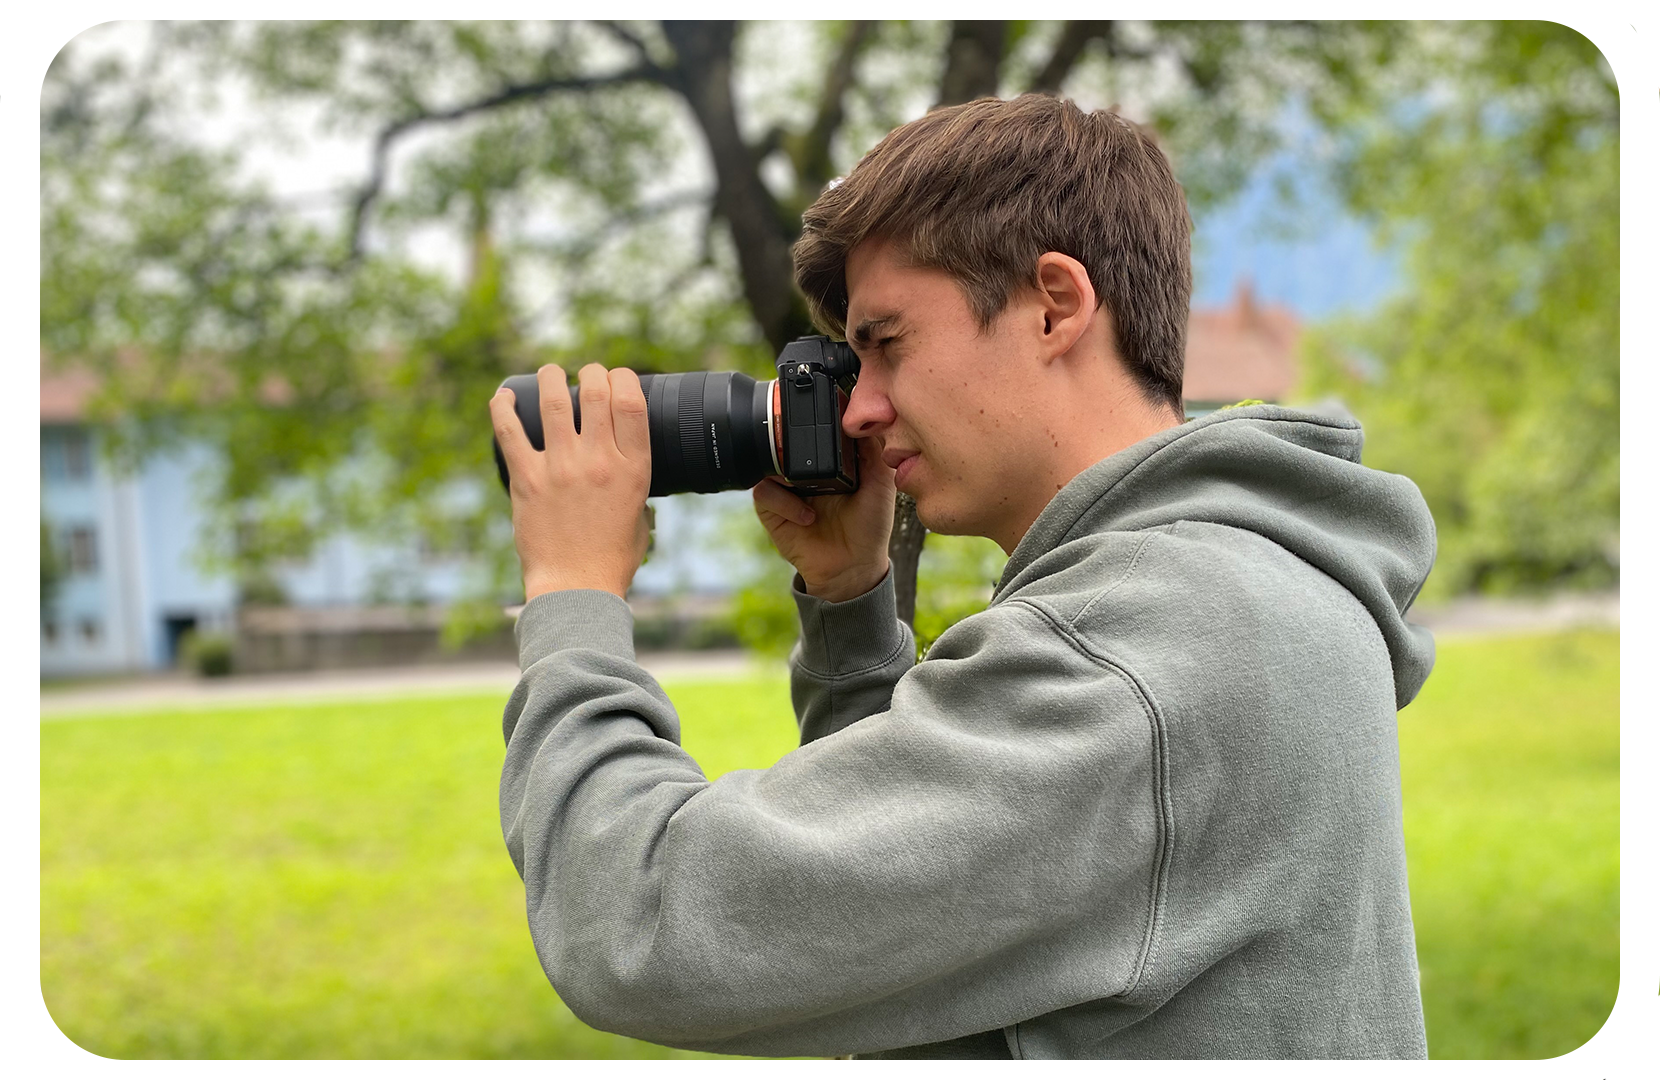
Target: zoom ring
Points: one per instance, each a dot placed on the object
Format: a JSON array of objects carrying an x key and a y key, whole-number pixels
[{"x": 694, "y": 451}]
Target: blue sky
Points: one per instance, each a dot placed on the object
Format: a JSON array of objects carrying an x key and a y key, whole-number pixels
[{"x": 1323, "y": 264}]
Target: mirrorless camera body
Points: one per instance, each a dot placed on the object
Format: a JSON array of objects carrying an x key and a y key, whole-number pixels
[{"x": 724, "y": 431}]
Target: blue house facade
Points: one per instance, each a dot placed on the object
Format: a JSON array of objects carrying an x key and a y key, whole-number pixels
[
  {"x": 128, "y": 544},
  {"x": 134, "y": 586}
]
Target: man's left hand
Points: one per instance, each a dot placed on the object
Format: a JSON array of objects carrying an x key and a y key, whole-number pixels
[{"x": 579, "y": 516}]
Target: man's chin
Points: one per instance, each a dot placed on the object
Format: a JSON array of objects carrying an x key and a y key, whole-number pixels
[{"x": 934, "y": 519}]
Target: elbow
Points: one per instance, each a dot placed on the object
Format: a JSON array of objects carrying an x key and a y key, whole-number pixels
[
  {"x": 629, "y": 990},
  {"x": 651, "y": 1013},
  {"x": 658, "y": 1001}
]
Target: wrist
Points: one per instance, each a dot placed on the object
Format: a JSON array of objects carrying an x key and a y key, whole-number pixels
[
  {"x": 545, "y": 583},
  {"x": 848, "y": 585}
]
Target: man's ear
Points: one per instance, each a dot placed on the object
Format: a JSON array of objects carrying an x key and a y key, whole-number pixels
[{"x": 1067, "y": 300}]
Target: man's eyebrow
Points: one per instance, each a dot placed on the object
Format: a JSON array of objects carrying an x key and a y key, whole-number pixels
[{"x": 865, "y": 332}]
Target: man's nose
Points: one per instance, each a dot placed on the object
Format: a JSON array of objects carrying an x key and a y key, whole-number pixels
[{"x": 868, "y": 409}]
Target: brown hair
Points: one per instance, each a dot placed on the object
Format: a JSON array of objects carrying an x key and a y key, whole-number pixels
[{"x": 981, "y": 190}]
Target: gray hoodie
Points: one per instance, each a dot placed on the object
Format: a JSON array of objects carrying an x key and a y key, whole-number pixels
[{"x": 1147, "y": 804}]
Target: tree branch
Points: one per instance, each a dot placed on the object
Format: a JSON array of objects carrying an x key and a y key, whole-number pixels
[
  {"x": 811, "y": 153},
  {"x": 508, "y": 95},
  {"x": 1075, "y": 35},
  {"x": 642, "y": 51}
]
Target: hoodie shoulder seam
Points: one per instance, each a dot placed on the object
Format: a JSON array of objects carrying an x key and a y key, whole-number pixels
[{"x": 1135, "y": 560}]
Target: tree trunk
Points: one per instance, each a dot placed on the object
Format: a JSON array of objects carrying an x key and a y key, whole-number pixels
[
  {"x": 904, "y": 551},
  {"x": 703, "y": 75},
  {"x": 971, "y": 61}
]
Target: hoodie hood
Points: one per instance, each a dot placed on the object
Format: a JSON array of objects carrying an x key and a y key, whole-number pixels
[{"x": 1290, "y": 476}]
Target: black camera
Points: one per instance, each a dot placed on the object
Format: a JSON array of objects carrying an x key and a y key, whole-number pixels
[{"x": 723, "y": 431}]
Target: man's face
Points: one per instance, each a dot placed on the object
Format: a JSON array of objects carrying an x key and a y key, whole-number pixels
[{"x": 955, "y": 410}]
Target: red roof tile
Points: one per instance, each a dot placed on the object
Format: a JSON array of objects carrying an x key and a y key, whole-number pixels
[
  {"x": 1243, "y": 351},
  {"x": 63, "y": 396}
]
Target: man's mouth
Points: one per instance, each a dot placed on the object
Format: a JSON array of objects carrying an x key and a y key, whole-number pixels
[{"x": 901, "y": 462}]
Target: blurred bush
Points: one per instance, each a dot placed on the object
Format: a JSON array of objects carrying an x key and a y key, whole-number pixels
[{"x": 207, "y": 653}]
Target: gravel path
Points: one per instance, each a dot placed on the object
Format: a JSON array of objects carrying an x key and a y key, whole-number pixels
[
  {"x": 1480, "y": 616},
  {"x": 1460, "y": 619},
  {"x": 173, "y": 690}
]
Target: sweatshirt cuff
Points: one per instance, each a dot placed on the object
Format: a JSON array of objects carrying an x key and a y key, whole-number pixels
[
  {"x": 574, "y": 619},
  {"x": 854, "y": 635}
]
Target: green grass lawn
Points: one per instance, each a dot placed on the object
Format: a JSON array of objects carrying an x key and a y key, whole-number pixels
[
  {"x": 330, "y": 881},
  {"x": 1510, "y": 762}
]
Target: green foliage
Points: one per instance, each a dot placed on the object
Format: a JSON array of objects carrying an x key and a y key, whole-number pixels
[
  {"x": 345, "y": 388},
  {"x": 329, "y": 880},
  {"x": 341, "y": 378},
  {"x": 259, "y": 587},
  {"x": 472, "y": 620},
  {"x": 1492, "y": 379},
  {"x": 52, "y": 568},
  {"x": 954, "y": 579},
  {"x": 764, "y": 617},
  {"x": 207, "y": 654}
]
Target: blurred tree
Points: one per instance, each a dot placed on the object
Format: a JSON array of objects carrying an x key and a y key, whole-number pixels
[
  {"x": 626, "y": 192},
  {"x": 1492, "y": 379},
  {"x": 52, "y": 569}
]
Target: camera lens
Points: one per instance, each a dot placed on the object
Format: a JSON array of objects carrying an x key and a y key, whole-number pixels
[{"x": 710, "y": 430}]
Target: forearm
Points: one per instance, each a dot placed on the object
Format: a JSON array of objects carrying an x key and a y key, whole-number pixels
[{"x": 848, "y": 660}]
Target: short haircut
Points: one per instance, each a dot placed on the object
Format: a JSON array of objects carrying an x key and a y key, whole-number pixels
[{"x": 981, "y": 190}]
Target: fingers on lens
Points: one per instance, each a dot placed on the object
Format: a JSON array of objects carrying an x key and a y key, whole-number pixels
[
  {"x": 510, "y": 434},
  {"x": 595, "y": 391},
  {"x": 628, "y": 408},
  {"x": 558, "y": 427}
]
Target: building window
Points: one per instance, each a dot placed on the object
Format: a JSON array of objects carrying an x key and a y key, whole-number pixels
[
  {"x": 51, "y": 455},
  {"x": 81, "y": 554},
  {"x": 91, "y": 630},
  {"x": 66, "y": 454},
  {"x": 77, "y": 454},
  {"x": 49, "y": 631}
]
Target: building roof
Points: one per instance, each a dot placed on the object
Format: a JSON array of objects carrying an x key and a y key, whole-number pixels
[
  {"x": 1245, "y": 350},
  {"x": 63, "y": 396}
]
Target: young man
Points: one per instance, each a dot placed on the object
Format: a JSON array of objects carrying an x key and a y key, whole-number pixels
[{"x": 1147, "y": 804}]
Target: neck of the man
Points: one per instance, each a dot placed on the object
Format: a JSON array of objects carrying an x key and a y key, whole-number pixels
[{"x": 1096, "y": 414}]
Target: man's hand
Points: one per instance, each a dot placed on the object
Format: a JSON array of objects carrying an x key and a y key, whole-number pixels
[
  {"x": 579, "y": 518},
  {"x": 837, "y": 543}
]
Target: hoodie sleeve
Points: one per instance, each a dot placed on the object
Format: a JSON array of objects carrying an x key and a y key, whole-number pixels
[
  {"x": 849, "y": 657},
  {"x": 985, "y": 849}
]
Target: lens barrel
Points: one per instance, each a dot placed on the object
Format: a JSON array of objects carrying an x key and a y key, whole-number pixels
[{"x": 710, "y": 430}]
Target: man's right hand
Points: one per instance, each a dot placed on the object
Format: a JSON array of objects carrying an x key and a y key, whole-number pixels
[{"x": 837, "y": 543}]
